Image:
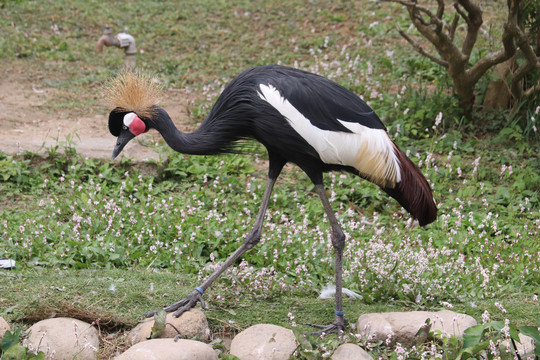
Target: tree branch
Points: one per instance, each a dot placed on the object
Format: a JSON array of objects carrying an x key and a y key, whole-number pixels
[
  {"x": 532, "y": 61},
  {"x": 461, "y": 13},
  {"x": 450, "y": 55},
  {"x": 509, "y": 46},
  {"x": 474, "y": 21},
  {"x": 440, "y": 9},
  {"x": 453, "y": 27},
  {"x": 420, "y": 49},
  {"x": 494, "y": 58},
  {"x": 415, "y": 10},
  {"x": 433, "y": 19}
]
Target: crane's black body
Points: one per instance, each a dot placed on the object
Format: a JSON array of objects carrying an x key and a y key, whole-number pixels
[{"x": 242, "y": 112}]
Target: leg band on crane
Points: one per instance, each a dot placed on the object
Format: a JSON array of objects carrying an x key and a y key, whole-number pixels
[{"x": 199, "y": 290}]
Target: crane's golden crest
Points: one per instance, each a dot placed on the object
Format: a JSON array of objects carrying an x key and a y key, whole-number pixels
[{"x": 133, "y": 91}]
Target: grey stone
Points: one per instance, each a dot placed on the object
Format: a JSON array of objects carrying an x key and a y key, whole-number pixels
[
  {"x": 64, "y": 338},
  {"x": 4, "y": 326},
  {"x": 350, "y": 352},
  {"x": 191, "y": 324},
  {"x": 168, "y": 349},
  {"x": 402, "y": 327},
  {"x": 264, "y": 342}
]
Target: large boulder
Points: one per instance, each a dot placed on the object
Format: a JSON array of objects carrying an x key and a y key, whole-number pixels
[
  {"x": 402, "y": 327},
  {"x": 4, "y": 326},
  {"x": 66, "y": 338},
  {"x": 264, "y": 342},
  {"x": 168, "y": 349},
  {"x": 350, "y": 352},
  {"x": 191, "y": 324}
]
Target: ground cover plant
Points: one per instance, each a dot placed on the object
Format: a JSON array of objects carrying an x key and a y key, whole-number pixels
[{"x": 152, "y": 235}]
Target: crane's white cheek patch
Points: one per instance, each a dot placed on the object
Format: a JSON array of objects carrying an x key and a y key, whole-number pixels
[{"x": 370, "y": 151}]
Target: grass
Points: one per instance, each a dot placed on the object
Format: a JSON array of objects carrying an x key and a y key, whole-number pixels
[
  {"x": 119, "y": 297},
  {"x": 76, "y": 224}
]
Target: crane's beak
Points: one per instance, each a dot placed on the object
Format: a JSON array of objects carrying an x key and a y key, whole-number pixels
[{"x": 123, "y": 139}]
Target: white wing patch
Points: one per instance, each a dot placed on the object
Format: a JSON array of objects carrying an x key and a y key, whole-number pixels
[{"x": 370, "y": 151}]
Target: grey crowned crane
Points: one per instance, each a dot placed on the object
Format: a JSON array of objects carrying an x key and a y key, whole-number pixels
[{"x": 300, "y": 118}]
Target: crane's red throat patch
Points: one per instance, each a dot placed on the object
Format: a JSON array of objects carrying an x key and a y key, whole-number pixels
[{"x": 137, "y": 126}]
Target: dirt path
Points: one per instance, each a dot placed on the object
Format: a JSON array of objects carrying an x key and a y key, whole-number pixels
[{"x": 24, "y": 125}]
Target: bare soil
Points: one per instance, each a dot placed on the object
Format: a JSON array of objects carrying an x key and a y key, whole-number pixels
[{"x": 26, "y": 125}]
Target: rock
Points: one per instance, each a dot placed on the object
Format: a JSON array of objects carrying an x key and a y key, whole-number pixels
[
  {"x": 4, "y": 326},
  {"x": 402, "y": 327},
  {"x": 264, "y": 341},
  {"x": 350, "y": 352},
  {"x": 524, "y": 346},
  {"x": 67, "y": 338},
  {"x": 191, "y": 324},
  {"x": 168, "y": 349}
]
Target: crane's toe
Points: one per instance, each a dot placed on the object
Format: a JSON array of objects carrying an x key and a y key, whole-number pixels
[
  {"x": 189, "y": 302},
  {"x": 183, "y": 305},
  {"x": 338, "y": 327}
]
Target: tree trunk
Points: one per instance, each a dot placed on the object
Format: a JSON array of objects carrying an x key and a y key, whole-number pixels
[
  {"x": 498, "y": 95},
  {"x": 464, "y": 89}
]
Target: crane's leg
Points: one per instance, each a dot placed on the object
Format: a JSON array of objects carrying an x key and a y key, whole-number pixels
[
  {"x": 338, "y": 242},
  {"x": 251, "y": 240}
]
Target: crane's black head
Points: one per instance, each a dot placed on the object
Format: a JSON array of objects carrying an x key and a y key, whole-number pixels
[
  {"x": 125, "y": 126},
  {"x": 134, "y": 96}
]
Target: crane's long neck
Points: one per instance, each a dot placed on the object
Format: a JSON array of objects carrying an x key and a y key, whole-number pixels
[{"x": 210, "y": 138}]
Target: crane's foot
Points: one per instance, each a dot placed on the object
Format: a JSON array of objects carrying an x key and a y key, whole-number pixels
[
  {"x": 183, "y": 305},
  {"x": 338, "y": 327}
]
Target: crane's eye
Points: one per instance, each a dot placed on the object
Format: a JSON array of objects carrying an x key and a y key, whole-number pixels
[{"x": 124, "y": 127}]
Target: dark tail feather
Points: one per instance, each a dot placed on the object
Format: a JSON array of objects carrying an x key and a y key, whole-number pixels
[{"x": 413, "y": 192}]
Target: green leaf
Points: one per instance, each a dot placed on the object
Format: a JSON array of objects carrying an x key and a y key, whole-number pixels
[
  {"x": 10, "y": 339},
  {"x": 15, "y": 352},
  {"x": 9, "y": 310},
  {"x": 472, "y": 337},
  {"x": 228, "y": 357},
  {"x": 302, "y": 339},
  {"x": 476, "y": 330},
  {"x": 497, "y": 325},
  {"x": 532, "y": 331},
  {"x": 159, "y": 324},
  {"x": 39, "y": 356},
  {"x": 471, "y": 340},
  {"x": 472, "y": 350},
  {"x": 423, "y": 333},
  {"x": 513, "y": 333}
]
